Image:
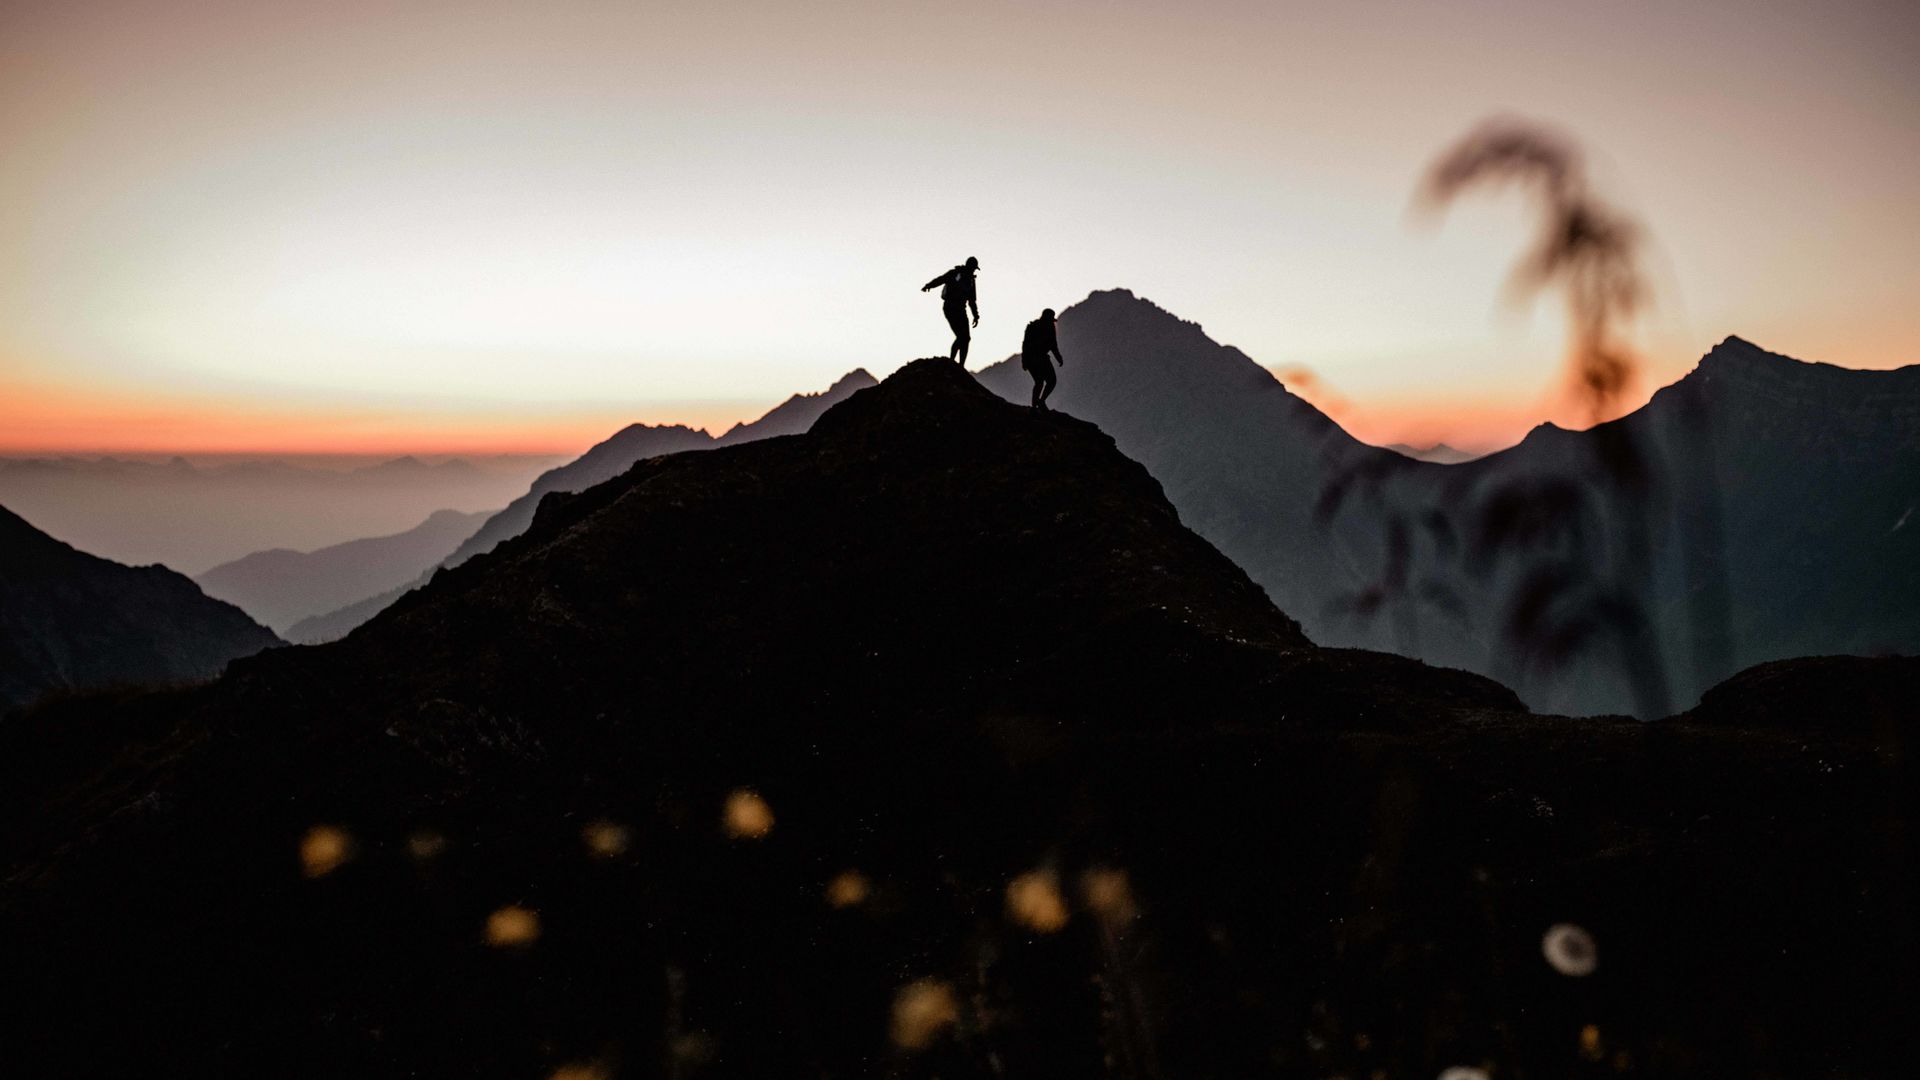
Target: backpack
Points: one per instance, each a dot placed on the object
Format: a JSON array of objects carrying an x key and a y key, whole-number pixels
[
  {"x": 1034, "y": 343},
  {"x": 952, "y": 290}
]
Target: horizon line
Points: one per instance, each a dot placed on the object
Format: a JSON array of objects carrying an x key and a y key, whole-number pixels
[{"x": 1384, "y": 423}]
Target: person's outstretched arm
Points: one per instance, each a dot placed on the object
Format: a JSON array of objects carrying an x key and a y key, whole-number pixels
[{"x": 936, "y": 281}]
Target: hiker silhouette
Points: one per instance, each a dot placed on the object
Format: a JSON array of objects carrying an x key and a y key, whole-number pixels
[
  {"x": 1042, "y": 337},
  {"x": 956, "y": 295}
]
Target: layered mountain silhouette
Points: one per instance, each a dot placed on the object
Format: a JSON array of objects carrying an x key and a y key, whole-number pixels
[
  {"x": 1774, "y": 493},
  {"x": 281, "y": 587},
  {"x": 1438, "y": 453},
  {"x": 1777, "y": 486},
  {"x": 891, "y": 442},
  {"x": 72, "y": 621},
  {"x": 604, "y": 461},
  {"x": 930, "y": 742},
  {"x": 194, "y": 516}
]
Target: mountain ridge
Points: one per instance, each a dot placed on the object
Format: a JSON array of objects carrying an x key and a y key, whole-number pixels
[
  {"x": 601, "y": 462},
  {"x": 282, "y": 586},
  {"x": 1341, "y": 533},
  {"x": 70, "y": 621},
  {"x": 195, "y": 517}
]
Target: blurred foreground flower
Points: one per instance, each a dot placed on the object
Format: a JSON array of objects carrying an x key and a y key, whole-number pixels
[
  {"x": 693, "y": 1048},
  {"x": 426, "y": 844},
  {"x": 848, "y": 889},
  {"x": 1569, "y": 949},
  {"x": 1034, "y": 901},
  {"x": 1464, "y": 1072},
  {"x": 587, "y": 1070},
  {"x": 513, "y": 925},
  {"x": 1109, "y": 894},
  {"x": 921, "y": 1011},
  {"x": 323, "y": 849},
  {"x": 605, "y": 839},
  {"x": 748, "y": 817}
]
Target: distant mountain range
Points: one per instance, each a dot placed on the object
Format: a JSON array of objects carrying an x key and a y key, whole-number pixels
[
  {"x": 193, "y": 516},
  {"x": 1370, "y": 547},
  {"x": 1745, "y": 559},
  {"x": 933, "y": 742},
  {"x": 281, "y": 587},
  {"x": 604, "y": 461},
  {"x": 1438, "y": 453},
  {"x": 1775, "y": 500},
  {"x": 72, "y": 621}
]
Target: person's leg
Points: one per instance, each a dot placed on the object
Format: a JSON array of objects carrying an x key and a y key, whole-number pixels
[
  {"x": 1047, "y": 382},
  {"x": 1039, "y": 400},
  {"x": 957, "y": 319}
]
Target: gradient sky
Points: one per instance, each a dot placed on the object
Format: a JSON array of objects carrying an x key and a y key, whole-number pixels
[{"x": 357, "y": 226}]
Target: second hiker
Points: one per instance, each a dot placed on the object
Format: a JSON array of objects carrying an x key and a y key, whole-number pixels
[{"x": 1041, "y": 338}]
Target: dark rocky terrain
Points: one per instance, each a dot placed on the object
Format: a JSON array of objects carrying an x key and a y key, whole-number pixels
[
  {"x": 1114, "y": 804},
  {"x": 280, "y": 587},
  {"x": 604, "y": 461},
  {"x": 72, "y": 621},
  {"x": 1774, "y": 497}
]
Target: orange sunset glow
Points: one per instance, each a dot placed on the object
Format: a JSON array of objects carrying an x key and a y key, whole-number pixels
[{"x": 41, "y": 418}]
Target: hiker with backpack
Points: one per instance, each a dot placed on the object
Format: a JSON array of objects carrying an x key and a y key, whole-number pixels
[
  {"x": 956, "y": 295},
  {"x": 1042, "y": 337}
]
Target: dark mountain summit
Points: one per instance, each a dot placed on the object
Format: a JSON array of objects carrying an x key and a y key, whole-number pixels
[
  {"x": 1049, "y": 510},
  {"x": 604, "y": 461},
  {"x": 281, "y": 587},
  {"x": 71, "y": 621},
  {"x": 1788, "y": 479},
  {"x": 929, "y": 742},
  {"x": 1243, "y": 458}
]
